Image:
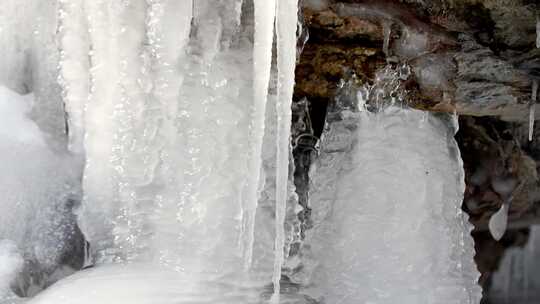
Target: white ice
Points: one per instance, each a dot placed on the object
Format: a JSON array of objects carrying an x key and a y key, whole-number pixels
[
  {"x": 516, "y": 280},
  {"x": 265, "y": 16},
  {"x": 498, "y": 222},
  {"x": 386, "y": 198},
  {"x": 168, "y": 125},
  {"x": 11, "y": 262},
  {"x": 532, "y": 108},
  {"x": 538, "y": 32},
  {"x": 36, "y": 185},
  {"x": 286, "y": 19}
]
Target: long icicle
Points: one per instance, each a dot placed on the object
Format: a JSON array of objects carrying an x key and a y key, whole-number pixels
[
  {"x": 74, "y": 68},
  {"x": 286, "y": 20},
  {"x": 262, "y": 60},
  {"x": 532, "y": 108}
]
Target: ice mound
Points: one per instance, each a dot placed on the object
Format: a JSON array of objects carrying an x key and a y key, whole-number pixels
[
  {"x": 386, "y": 199},
  {"x": 39, "y": 188}
]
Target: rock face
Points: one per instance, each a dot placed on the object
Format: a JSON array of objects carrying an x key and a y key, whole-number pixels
[{"x": 479, "y": 65}]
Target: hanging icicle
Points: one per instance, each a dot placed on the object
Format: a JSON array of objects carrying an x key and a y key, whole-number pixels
[
  {"x": 532, "y": 108},
  {"x": 286, "y": 19},
  {"x": 262, "y": 61}
]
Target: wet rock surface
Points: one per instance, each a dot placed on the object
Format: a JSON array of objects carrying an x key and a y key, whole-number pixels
[{"x": 485, "y": 50}]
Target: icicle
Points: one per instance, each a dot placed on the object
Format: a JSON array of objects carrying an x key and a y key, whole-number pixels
[
  {"x": 286, "y": 19},
  {"x": 387, "y": 31},
  {"x": 112, "y": 90},
  {"x": 74, "y": 66},
  {"x": 532, "y": 107},
  {"x": 498, "y": 222},
  {"x": 265, "y": 15},
  {"x": 538, "y": 31},
  {"x": 88, "y": 262}
]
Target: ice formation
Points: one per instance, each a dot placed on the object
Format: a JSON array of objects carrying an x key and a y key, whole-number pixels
[
  {"x": 37, "y": 186},
  {"x": 379, "y": 240},
  {"x": 499, "y": 221},
  {"x": 538, "y": 32},
  {"x": 10, "y": 263},
  {"x": 286, "y": 19},
  {"x": 167, "y": 100},
  {"x": 532, "y": 108},
  {"x": 182, "y": 113},
  {"x": 516, "y": 280}
]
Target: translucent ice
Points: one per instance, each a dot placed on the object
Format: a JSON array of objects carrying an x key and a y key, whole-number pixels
[
  {"x": 498, "y": 222},
  {"x": 532, "y": 108},
  {"x": 386, "y": 200},
  {"x": 265, "y": 14},
  {"x": 516, "y": 280},
  {"x": 286, "y": 19},
  {"x": 538, "y": 32},
  {"x": 39, "y": 188}
]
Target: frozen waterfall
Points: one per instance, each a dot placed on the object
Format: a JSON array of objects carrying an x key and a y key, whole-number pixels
[
  {"x": 161, "y": 131},
  {"x": 377, "y": 239}
]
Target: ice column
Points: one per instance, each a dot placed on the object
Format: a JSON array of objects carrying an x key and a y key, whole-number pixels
[
  {"x": 74, "y": 65},
  {"x": 386, "y": 198},
  {"x": 286, "y": 21},
  {"x": 262, "y": 62}
]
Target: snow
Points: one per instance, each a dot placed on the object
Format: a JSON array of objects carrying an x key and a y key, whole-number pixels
[
  {"x": 24, "y": 70},
  {"x": 147, "y": 284},
  {"x": 10, "y": 263},
  {"x": 37, "y": 185}
]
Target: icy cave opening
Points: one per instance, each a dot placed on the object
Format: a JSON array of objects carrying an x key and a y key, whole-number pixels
[{"x": 150, "y": 143}]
